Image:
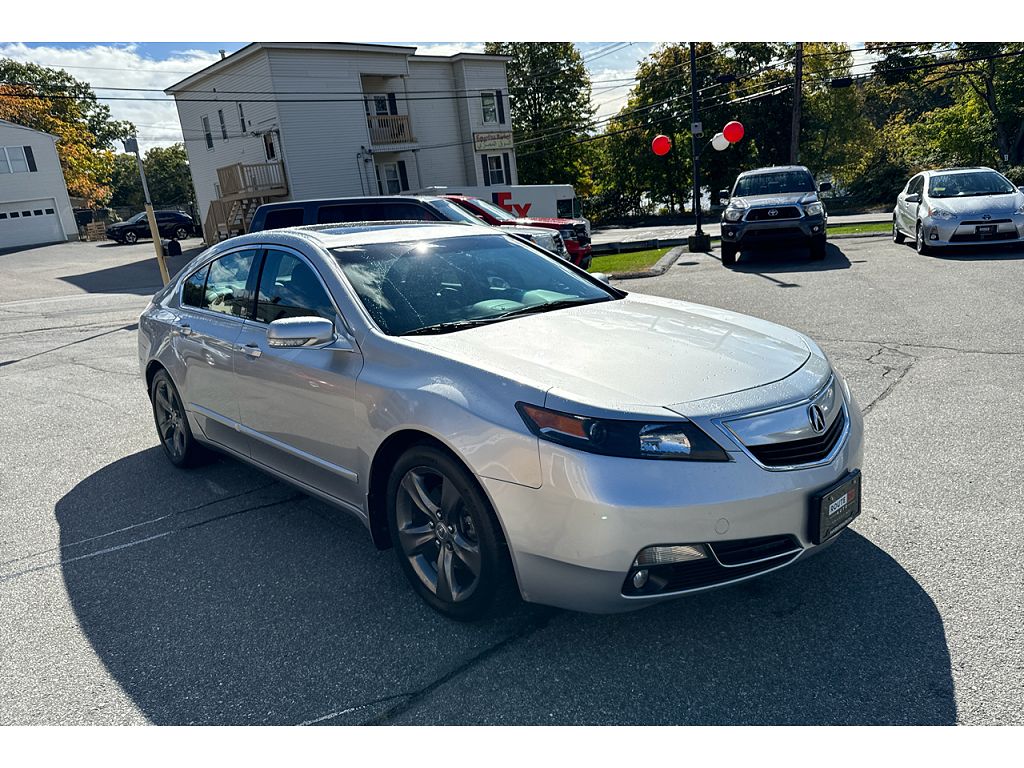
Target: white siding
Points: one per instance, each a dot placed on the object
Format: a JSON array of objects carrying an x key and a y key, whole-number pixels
[
  {"x": 436, "y": 124},
  {"x": 247, "y": 82},
  {"x": 46, "y": 183}
]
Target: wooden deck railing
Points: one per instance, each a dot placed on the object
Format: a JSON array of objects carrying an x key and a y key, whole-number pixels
[
  {"x": 251, "y": 178},
  {"x": 390, "y": 129}
]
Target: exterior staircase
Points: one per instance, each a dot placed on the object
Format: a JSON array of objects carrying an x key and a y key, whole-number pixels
[{"x": 244, "y": 188}]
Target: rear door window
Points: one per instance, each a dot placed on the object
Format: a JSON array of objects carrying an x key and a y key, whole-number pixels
[
  {"x": 279, "y": 218},
  {"x": 228, "y": 288},
  {"x": 333, "y": 214}
]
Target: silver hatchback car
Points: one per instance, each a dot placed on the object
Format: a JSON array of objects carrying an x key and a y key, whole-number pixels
[
  {"x": 506, "y": 422},
  {"x": 958, "y": 206}
]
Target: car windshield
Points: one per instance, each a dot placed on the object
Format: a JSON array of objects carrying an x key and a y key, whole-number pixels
[
  {"x": 975, "y": 184},
  {"x": 453, "y": 212},
  {"x": 437, "y": 286},
  {"x": 496, "y": 211},
  {"x": 136, "y": 218},
  {"x": 780, "y": 183}
]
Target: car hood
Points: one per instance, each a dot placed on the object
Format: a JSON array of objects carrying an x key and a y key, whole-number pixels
[
  {"x": 544, "y": 222},
  {"x": 790, "y": 198},
  {"x": 1001, "y": 205},
  {"x": 633, "y": 352}
]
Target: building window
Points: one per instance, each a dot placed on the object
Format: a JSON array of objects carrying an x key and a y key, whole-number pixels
[
  {"x": 223, "y": 125},
  {"x": 390, "y": 180},
  {"x": 495, "y": 170},
  {"x": 489, "y": 104},
  {"x": 268, "y": 146},
  {"x": 17, "y": 160},
  {"x": 381, "y": 104},
  {"x": 241, "y": 116},
  {"x": 207, "y": 132}
]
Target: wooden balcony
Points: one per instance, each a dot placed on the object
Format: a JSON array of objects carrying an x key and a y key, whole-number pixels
[
  {"x": 390, "y": 129},
  {"x": 243, "y": 180}
]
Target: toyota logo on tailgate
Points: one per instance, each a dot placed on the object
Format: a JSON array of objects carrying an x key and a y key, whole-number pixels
[
  {"x": 817, "y": 418},
  {"x": 773, "y": 211}
]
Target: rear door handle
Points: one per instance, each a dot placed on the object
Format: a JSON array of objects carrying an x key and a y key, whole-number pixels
[
  {"x": 252, "y": 350},
  {"x": 185, "y": 329}
]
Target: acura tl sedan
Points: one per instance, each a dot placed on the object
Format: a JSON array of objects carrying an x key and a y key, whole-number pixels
[
  {"x": 509, "y": 424},
  {"x": 958, "y": 206}
]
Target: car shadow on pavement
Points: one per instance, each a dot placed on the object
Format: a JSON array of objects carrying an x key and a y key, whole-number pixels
[
  {"x": 219, "y": 596},
  {"x": 790, "y": 259},
  {"x": 141, "y": 276}
]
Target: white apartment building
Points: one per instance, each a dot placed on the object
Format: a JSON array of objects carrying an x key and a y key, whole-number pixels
[
  {"x": 34, "y": 203},
  {"x": 292, "y": 121}
]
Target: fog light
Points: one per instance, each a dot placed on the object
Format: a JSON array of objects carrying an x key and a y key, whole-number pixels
[
  {"x": 640, "y": 578},
  {"x": 680, "y": 553},
  {"x": 933, "y": 236},
  {"x": 814, "y": 228},
  {"x": 730, "y": 233}
]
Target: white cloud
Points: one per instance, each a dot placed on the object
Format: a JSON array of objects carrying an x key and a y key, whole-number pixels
[{"x": 122, "y": 66}]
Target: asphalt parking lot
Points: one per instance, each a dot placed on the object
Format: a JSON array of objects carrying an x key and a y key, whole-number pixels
[{"x": 132, "y": 592}]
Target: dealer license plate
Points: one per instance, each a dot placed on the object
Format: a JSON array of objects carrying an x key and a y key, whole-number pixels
[
  {"x": 835, "y": 508},
  {"x": 985, "y": 229}
]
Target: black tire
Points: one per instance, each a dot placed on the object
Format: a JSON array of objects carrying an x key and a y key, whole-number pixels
[
  {"x": 180, "y": 233},
  {"x": 585, "y": 263},
  {"x": 130, "y": 238},
  {"x": 919, "y": 241},
  {"x": 897, "y": 237},
  {"x": 818, "y": 247},
  {"x": 729, "y": 254},
  {"x": 429, "y": 490},
  {"x": 172, "y": 426}
]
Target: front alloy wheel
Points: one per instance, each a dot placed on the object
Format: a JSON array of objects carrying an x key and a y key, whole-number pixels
[
  {"x": 180, "y": 233},
  {"x": 445, "y": 534},
  {"x": 131, "y": 238},
  {"x": 920, "y": 243}
]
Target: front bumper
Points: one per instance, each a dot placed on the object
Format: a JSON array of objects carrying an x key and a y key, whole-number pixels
[
  {"x": 788, "y": 230},
  {"x": 965, "y": 230},
  {"x": 574, "y": 539}
]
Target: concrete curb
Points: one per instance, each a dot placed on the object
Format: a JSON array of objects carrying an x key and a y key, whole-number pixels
[
  {"x": 628, "y": 246},
  {"x": 660, "y": 268}
]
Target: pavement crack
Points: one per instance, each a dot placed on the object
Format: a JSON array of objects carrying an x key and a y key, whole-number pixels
[
  {"x": 129, "y": 327},
  {"x": 893, "y": 374},
  {"x": 415, "y": 697},
  {"x": 899, "y": 346}
]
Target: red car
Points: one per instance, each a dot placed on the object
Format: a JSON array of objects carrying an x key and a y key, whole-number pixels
[{"x": 577, "y": 241}]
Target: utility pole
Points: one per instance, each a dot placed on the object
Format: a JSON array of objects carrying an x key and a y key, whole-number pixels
[
  {"x": 794, "y": 142},
  {"x": 132, "y": 145},
  {"x": 698, "y": 242}
]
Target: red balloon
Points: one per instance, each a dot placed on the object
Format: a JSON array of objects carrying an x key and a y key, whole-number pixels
[
  {"x": 733, "y": 131},
  {"x": 662, "y": 144}
]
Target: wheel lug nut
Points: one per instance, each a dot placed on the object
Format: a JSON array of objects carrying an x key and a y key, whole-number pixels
[{"x": 451, "y": 529}]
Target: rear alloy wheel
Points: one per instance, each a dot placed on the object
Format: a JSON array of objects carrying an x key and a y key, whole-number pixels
[
  {"x": 445, "y": 535},
  {"x": 172, "y": 423},
  {"x": 920, "y": 243},
  {"x": 897, "y": 237},
  {"x": 728, "y": 254},
  {"x": 180, "y": 233},
  {"x": 131, "y": 238}
]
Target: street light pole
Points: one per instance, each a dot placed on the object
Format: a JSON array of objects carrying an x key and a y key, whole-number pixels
[
  {"x": 132, "y": 145},
  {"x": 698, "y": 242}
]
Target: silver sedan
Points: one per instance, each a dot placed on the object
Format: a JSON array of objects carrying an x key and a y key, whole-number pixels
[
  {"x": 958, "y": 206},
  {"x": 509, "y": 424}
]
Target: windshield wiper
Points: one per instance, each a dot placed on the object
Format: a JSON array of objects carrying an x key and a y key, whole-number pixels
[
  {"x": 449, "y": 327},
  {"x": 548, "y": 307}
]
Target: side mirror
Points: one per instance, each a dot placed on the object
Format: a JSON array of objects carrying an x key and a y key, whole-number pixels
[
  {"x": 912, "y": 198},
  {"x": 1021, "y": 189},
  {"x": 601, "y": 276},
  {"x": 723, "y": 194},
  {"x": 825, "y": 187},
  {"x": 300, "y": 332}
]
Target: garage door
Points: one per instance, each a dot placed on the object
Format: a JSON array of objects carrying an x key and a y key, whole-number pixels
[{"x": 29, "y": 222}]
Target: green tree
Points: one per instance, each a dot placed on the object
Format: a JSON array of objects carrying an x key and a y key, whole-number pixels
[
  {"x": 125, "y": 184},
  {"x": 549, "y": 95},
  {"x": 167, "y": 174}
]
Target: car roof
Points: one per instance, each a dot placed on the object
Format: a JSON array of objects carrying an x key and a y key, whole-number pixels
[
  {"x": 957, "y": 169},
  {"x": 360, "y": 233},
  {"x": 358, "y": 199},
  {"x": 774, "y": 169}
]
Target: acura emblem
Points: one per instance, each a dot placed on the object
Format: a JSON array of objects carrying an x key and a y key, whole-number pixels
[
  {"x": 773, "y": 212},
  {"x": 817, "y": 418}
]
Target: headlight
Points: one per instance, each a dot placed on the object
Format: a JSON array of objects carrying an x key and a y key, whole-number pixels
[
  {"x": 940, "y": 213},
  {"x": 679, "y": 440},
  {"x": 814, "y": 209},
  {"x": 1020, "y": 211},
  {"x": 733, "y": 214}
]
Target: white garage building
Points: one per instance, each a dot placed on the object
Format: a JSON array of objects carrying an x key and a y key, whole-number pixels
[{"x": 34, "y": 204}]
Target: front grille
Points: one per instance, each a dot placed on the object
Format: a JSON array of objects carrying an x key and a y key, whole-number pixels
[
  {"x": 782, "y": 212},
  {"x": 976, "y": 238},
  {"x": 796, "y": 452},
  {"x": 986, "y": 223},
  {"x": 776, "y": 232},
  {"x": 748, "y": 550}
]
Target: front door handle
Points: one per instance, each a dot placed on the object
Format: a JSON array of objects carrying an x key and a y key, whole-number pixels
[
  {"x": 252, "y": 350},
  {"x": 185, "y": 329}
]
